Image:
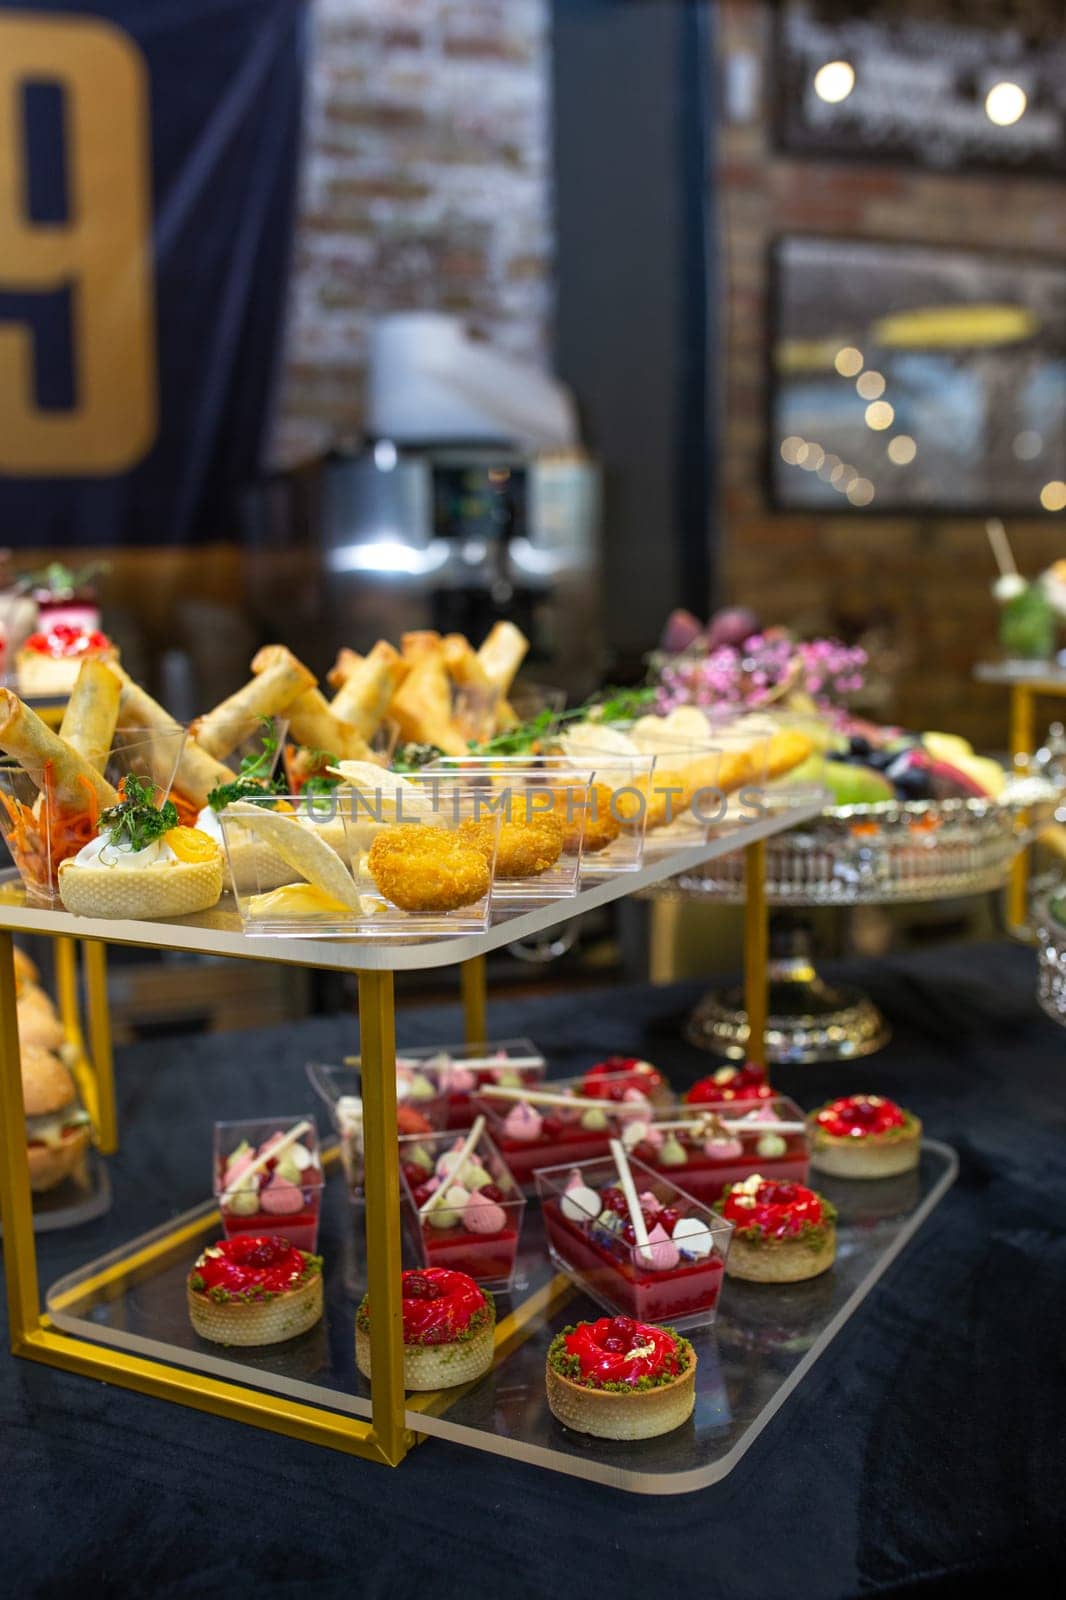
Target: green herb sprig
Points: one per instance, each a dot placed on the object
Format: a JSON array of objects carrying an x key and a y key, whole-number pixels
[
  {"x": 137, "y": 818},
  {"x": 253, "y": 781}
]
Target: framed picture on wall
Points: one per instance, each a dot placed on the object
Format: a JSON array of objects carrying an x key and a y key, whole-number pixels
[
  {"x": 950, "y": 86},
  {"x": 908, "y": 377}
]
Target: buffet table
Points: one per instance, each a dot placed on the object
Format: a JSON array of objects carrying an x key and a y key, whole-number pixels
[{"x": 926, "y": 1444}]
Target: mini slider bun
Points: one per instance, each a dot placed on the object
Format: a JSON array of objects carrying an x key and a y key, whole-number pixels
[{"x": 53, "y": 1152}]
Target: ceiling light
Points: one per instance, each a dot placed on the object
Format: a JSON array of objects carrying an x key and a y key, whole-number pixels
[{"x": 1005, "y": 103}]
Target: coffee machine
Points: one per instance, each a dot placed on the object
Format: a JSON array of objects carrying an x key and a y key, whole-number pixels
[{"x": 456, "y": 539}]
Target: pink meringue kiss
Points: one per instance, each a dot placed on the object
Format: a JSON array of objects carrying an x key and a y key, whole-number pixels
[
  {"x": 662, "y": 1254},
  {"x": 523, "y": 1122},
  {"x": 483, "y": 1216},
  {"x": 723, "y": 1149},
  {"x": 279, "y": 1198}
]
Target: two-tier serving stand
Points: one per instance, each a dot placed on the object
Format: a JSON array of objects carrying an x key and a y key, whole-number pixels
[{"x": 122, "y": 1318}]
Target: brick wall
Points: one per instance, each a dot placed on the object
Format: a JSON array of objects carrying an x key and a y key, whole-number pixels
[
  {"x": 426, "y": 185},
  {"x": 925, "y": 579}
]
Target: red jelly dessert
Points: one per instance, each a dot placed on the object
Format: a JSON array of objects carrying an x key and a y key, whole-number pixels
[
  {"x": 785, "y": 1232},
  {"x": 617, "y": 1378},
  {"x": 676, "y": 1276},
  {"x": 715, "y": 1150},
  {"x": 611, "y": 1078},
  {"x": 864, "y": 1136},
  {"x": 259, "y": 1192},
  {"x": 729, "y": 1084},
  {"x": 529, "y": 1136},
  {"x": 255, "y": 1289},
  {"x": 465, "y": 1211},
  {"x": 448, "y": 1329}
]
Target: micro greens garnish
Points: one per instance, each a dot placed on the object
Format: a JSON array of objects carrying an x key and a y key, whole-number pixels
[
  {"x": 253, "y": 781},
  {"x": 137, "y": 818}
]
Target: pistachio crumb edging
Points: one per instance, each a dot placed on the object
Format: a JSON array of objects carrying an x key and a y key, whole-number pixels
[{"x": 569, "y": 1366}]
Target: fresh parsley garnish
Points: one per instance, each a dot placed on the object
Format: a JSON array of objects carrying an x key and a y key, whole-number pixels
[
  {"x": 253, "y": 781},
  {"x": 412, "y": 757},
  {"x": 137, "y": 818},
  {"x": 320, "y": 784}
]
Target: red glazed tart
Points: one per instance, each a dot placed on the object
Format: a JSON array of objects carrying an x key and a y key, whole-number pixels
[
  {"x": 730, "y": 1084},
  {"x": 620, "y": 1379},
  {"x": 449, "y": 1328},
  {"x": 783, "y": 1232},
  {"x": 611, "y": 1078},
  {"x": 49, "y": 663},
  {"x": 254, "y": 1289},
  {"x": 864, "y": 1136}
]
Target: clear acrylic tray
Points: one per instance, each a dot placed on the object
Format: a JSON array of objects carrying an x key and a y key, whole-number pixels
[{"x": 764, "y": 1342}]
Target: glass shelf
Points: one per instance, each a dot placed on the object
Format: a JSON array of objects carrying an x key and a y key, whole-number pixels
[{"x": 765, "y": 1340}]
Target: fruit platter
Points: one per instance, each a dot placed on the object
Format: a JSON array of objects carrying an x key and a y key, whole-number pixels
[
  {"x": 915, "y": 816},
  {"x": 1051, "y": 951}
]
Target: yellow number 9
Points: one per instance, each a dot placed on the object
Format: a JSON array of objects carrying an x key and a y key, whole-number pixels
[{"x": 102, "y": 252}]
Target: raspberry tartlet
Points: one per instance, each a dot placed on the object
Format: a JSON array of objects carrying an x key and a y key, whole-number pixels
[
  {"x": 254, "y": 1289},
  {"x": 730, "y": 1084},
  {"x": 783, "y": 1232},
  {"x": 609, "y": 1079},
  {"x": 449, "y": 1327},
  {"x": 619, "y": 1379},
  {"x": 864, "y": 1136}
]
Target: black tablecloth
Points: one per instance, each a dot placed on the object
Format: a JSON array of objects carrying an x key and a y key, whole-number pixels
[{"x": 926, "y": 1449}]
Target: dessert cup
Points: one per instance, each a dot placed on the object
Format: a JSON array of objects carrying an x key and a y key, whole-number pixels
[
  {"x": 676, "y": 1278},
  {"x": 475, "y": 1227},
  {"x": 722, "y": 1145},
  {"x": 258, "y": 1193}
]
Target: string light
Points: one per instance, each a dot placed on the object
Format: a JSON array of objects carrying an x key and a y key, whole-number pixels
[
  {"x": 834, "y": 81},
  {"x": 902, "y": 450},
  {"x": 880, "y": 415},
  {"x": 871, "y": 385},
  {"x": 860, "y": 492},
  {"x": 791, "y": 449},
  {"x": 811, "y": 458},
  {"x": 848, "y": 361},
  {"x": 1053, "y": 495}
]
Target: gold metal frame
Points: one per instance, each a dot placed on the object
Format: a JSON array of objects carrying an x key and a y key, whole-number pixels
[{"x": 384, "y": 1438}]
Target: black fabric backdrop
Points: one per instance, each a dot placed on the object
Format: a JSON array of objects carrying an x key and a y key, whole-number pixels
[
  {"x": 226, "y": 81},
  {"x": 925, "y": 1452}
]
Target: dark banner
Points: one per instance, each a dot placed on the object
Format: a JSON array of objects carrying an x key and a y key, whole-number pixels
[{"x": 148, "y": 158}]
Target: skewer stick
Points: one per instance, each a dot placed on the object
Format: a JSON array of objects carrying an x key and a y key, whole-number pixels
[
  {"x": 636, "y": 1215},
  {"x": 260, "y": 1161},
  {"x": 474, "y": 1064},
  {"x": 544, "y": 1097},
  {"x": 464, "y": 1151}
]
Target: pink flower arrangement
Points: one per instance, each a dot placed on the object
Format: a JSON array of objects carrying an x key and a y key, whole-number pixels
[{"x": 767, "y": 667}]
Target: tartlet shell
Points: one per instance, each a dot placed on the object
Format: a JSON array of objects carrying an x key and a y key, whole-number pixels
[
  {"x": 437, "y": 1366},
  {"x": 875, "y": 1156},
  {"x": 609, "y": 1414},
  {"x": 257, "y": 1322},
  {"x": 781, "y": 1260},
  {"x": 163, "y": 889}
]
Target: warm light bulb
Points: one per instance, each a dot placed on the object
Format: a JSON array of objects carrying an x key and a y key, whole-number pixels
[
  {"x": 848, "y": 361},
  {"x": 791, "y": 449},
  {"x": 1005, "y": 103},
  {"x": 880, "y": 415},
  {"x": 835, "y": 80},
  {"x": 871, "y": 385},
  {"x": 860, "y": 492},
  {"x": 1053, "y": 495}
]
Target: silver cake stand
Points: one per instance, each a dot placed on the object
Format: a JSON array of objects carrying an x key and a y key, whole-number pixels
[
  {"x": 1051, "y": 948},
  {"x": 889, "y": 853}
]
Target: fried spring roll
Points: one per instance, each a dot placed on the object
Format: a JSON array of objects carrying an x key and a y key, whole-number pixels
[
  {"x": 422, "y": 706},
  {"x": 91, "y": 717},
  {"x": 268, "y": 694},
  {"x": 502, "y": 653},
  {"x": 342, "y": 669},
  {"x": 464, "y": 664},
  {"x": 197, "y": 772},
  {"x": 363, "y": 698},
  {"x": 417, "y": 646},
  {"x": 50, "y": 761},
  {"x": 311, "y": 722}
]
